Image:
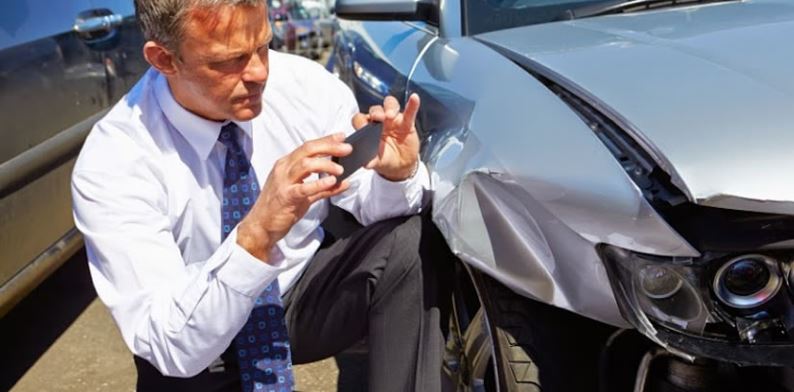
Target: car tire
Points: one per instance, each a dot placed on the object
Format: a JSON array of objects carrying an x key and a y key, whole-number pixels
[
  {"x": 516, "y": 368},
  {"x": 537, "y": 347}
]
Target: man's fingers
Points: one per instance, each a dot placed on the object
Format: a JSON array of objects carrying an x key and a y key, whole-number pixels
[
  {"x": 335, "y": 190},
  {"x": 329, "y": 145},
  {"x": 320, "y": 189},
  {"x": 391, "y": 106},
  {"x": 308, "y": 165},
  {"x": 360, "y": 120},
  {"x": 376, "y": 113},
  {"x": 307, "y": 190},
  {"x": 411, "y": 110}
]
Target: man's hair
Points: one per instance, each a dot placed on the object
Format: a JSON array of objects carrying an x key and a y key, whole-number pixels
[{"x": 163, "y": 21}]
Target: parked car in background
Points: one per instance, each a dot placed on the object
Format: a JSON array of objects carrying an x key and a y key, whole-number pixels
[
  {"x": 598, "y": 165},
  {"x": 324, "y": 21},
  {"x": 294, "y": 30},
  {"x": 62, "y": 64},
  {"x": 279, "y": 39}
]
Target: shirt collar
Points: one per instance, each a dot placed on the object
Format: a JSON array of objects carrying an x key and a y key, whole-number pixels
[{"x": 200, "y": 133}]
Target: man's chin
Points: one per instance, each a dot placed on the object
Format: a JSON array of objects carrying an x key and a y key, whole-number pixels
[{"x": 247, "y": 113}]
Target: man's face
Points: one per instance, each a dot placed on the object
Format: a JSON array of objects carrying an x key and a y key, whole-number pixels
[{"x": 222, "y": 65}]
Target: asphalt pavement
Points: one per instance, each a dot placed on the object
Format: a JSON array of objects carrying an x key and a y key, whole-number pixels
[{"x": 61, "y": 338}]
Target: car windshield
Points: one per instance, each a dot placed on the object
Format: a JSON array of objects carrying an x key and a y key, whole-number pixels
[{"x": 488, "y": 15}]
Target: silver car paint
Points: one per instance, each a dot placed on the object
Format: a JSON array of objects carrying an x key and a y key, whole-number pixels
[
  {"x": 449, "y": 19},
  {"x": 710, "y": 87},
  {"x": 523, "y": 189}
]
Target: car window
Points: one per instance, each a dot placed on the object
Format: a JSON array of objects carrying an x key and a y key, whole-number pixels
[
  {"x": 481, "y": 16},
  {"x": 25, "y": 21}
]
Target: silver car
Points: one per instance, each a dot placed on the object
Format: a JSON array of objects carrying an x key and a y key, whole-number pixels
[{"x": 615, "y": 176}]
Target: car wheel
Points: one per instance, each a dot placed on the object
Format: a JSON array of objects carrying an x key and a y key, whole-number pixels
[{"x": 501, "y": 341}]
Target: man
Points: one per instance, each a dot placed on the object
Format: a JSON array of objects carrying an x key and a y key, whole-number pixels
[{"x": 200, "y": 196}]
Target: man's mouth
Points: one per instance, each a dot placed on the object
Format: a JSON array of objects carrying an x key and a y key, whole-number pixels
[{"x": 251, "y": 97}]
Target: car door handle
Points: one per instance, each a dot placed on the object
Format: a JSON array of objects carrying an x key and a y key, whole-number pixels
[{"x": 97, "y": 23}]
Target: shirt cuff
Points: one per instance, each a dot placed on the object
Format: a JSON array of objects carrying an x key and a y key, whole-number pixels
[
  {"x": 411, "y": 189},
  {"x": 246, "y": 274}
]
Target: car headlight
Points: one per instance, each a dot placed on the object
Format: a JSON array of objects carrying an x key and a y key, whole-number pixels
[
  {"x": 369, "y": 79},
  {"x": 747, "y": 282},
  {"x": 735, "y": 308}
]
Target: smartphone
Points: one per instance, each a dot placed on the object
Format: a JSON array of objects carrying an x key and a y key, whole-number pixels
[{"x": 365, "y": 142}]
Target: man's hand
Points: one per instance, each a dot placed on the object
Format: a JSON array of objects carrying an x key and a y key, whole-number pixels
[
  {"x": 285, "y": 197},
  {"x": 399, "y": 145}
]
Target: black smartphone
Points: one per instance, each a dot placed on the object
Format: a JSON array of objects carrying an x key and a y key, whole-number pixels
[{"x": 365, "y": 142}]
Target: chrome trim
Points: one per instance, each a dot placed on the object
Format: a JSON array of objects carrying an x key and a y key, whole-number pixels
[
  {"x": 419, "y": 58},
  {"x": 98, "y": 23},
  {"x": 38, "y": 270}
]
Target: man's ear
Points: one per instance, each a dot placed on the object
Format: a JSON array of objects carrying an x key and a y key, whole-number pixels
[{"x": 159, "y": 57}]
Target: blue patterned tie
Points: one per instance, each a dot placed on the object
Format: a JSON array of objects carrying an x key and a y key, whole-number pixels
[{"x": 262, "y": 345}]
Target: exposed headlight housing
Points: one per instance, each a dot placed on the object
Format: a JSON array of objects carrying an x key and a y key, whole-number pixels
[{"x": 736, "y": 308}]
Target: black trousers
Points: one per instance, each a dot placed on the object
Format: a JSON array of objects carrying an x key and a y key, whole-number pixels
[{"x": 385, "y": 282}]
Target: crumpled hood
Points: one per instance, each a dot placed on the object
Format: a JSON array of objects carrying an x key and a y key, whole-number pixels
[{"x": 709, "y": 88}]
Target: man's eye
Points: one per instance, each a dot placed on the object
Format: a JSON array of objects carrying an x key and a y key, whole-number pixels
[{"x": 231, "y": 62}]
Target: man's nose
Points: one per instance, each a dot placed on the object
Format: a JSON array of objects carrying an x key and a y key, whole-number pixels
[{"x": 256, "y": 70}]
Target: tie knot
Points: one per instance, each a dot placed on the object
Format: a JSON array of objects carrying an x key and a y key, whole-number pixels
[{"x": 229, "y": 137}]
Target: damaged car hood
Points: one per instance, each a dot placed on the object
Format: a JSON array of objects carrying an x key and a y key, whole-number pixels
[{"x": 708, "y": 90}]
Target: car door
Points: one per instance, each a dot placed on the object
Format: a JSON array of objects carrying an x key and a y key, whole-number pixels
[
  {"x": 376, "y": 58},
  {"x": 121, "y": 46},
  {"x": 45, "y": 67},
  {"x": 54, "y": 82}
]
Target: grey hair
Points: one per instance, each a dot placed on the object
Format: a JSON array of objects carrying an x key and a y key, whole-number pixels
[{"x": 162, "y": 21}]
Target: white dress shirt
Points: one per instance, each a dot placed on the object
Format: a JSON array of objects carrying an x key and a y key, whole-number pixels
[{"x": 147, "y": 191}]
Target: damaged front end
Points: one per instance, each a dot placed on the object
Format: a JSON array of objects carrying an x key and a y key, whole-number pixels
[
  {"x": 616, "y": 237},
  {"x": 577, "y": 209},
  {"x": 734, "y": 301}
]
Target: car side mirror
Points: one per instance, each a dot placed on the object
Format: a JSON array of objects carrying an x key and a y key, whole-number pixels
[{"x": 394, "y": 10}]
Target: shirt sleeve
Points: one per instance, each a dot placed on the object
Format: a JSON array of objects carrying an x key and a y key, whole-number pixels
[
  {"x": 177, "y": 318},
  {"x": 372, "y": 198}
]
